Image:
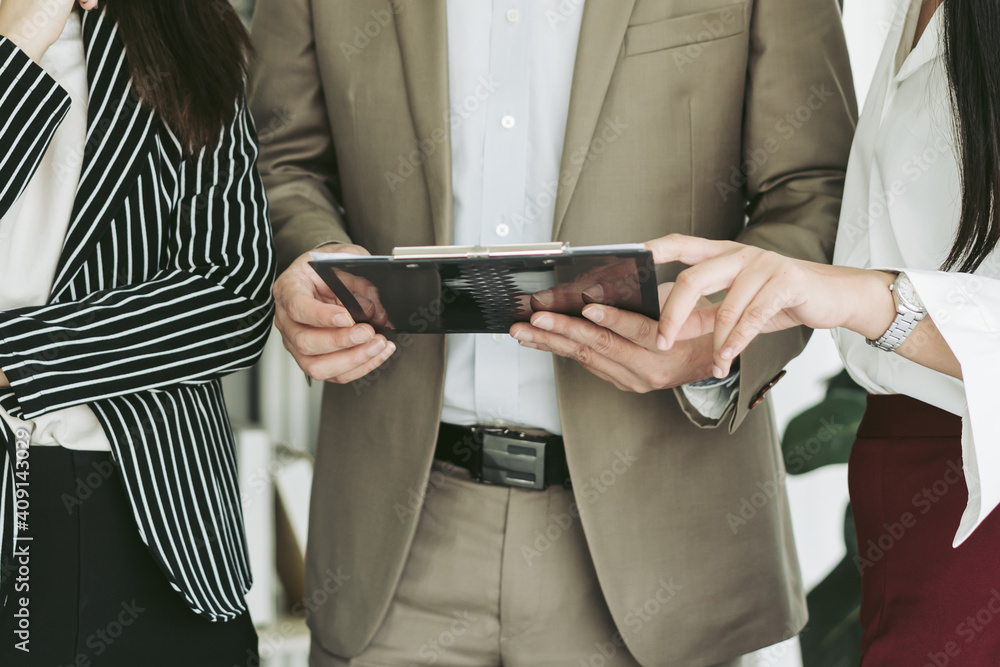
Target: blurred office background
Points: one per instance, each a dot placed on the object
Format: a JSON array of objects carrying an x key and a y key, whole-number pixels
[{"x": 276, "y": 413}]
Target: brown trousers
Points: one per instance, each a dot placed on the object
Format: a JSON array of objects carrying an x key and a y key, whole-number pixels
[{"x": 496, "y": 576}]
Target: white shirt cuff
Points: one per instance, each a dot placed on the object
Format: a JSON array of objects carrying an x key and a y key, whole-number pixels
[{"x": 711, "y": 398}]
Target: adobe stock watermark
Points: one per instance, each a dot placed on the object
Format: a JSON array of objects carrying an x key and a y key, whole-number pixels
[
  {"x": 713, "y": 28},
  {"x": 257, "y": 484},
  {"x": 913, "y": 168},
  {"x": 86, "y": 486},
  {"x": 101, "y": 640},
  {"x": 962, "y": 300},
  {"x": 562, "y": 13},
  {"x": 609, "y": 132},
  {"x": 590, "y": 491},
  {"x": 363, "y": 35},
  {"x": 332, "y": 582},
  {"x": 752, "y": 505},
  {"x": 39, "y": 20},
  {"x": 409, "y": 163},
  {"x": 441, "y": 472},
  {"x": 785, "y": 130},
  {"x": 967, "y": 632},
  {"x": 434, "y": 649},
  {"x": 775, "y": 654},
  {"x": 68, "y": 167},
  {"x": 963, "y": 294},
  {"x": 635, "y": 621},
  {"x": 805, "y": 452},
  {"x": 281, "y": 118},
  {"x": 875, "y": 549},
  {"x": 271, "y": 643},
  {"x": 21, "y": 556}
]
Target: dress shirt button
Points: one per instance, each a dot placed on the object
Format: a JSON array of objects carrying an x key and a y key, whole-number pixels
[
  {"x": 498, "y": 338},
  {"x": 507, "y": 122},
  {"x": 513, "y": 15},
  {"x": 503, "y": 229}
]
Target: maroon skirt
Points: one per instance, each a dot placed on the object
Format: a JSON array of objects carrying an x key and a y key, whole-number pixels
[{"x": 924, "y": 603}]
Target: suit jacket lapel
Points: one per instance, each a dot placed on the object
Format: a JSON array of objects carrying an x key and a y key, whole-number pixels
[
  {"x": 119, "y": 137},
  {"x": 601, "y": 37},
  {"x": 422, "y": 31}
]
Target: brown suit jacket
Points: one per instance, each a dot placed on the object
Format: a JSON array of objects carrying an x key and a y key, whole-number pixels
[{"x": 709, "y": 117}]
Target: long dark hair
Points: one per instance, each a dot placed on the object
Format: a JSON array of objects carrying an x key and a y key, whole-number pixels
[
  {"x": 189, "y": 61},
  {"x": 972, "y": 54}
]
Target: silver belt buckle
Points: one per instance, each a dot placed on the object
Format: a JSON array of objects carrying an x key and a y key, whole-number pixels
[{"x": 509, "y": 459}]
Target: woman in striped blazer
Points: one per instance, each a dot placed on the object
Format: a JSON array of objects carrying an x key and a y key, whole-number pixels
[{"x": 135, "y": 271}]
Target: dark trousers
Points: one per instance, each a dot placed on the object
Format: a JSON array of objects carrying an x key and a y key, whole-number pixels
[
  {"x": 97, "y": 598},
  {"x": 924, "y": 602}
]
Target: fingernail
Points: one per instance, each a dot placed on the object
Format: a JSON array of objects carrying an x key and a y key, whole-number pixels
[
  {"x": 719, "y": 373},
  {"x": 661, "y": 343},
  {"x": 544, "y": 322},
  {"x": 523, "y": 336},
  {"x": 530, "y": 346},
  {"x": 544, "y": 297},
  {"x": 595, "y": 293},
  {"x": 594, "y": 313},
  {"x": 342, "y": 320},
  {"x": 361, "y": 335},
  {"x": 727, "y": 353},
  {"x": 390, "y": 349},
  {"x": 376, "y": 346}
]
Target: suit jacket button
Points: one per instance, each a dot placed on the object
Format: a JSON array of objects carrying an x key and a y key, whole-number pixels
[{"x": 759, "y": 397}]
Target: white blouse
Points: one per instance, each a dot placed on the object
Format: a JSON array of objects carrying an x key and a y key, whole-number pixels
[
  {"x": 902, "y": 204},
  {"x": 33, "y": 229}
]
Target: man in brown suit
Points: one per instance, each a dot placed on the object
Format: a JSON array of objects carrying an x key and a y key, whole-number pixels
[{"x": 421, "y": 122}]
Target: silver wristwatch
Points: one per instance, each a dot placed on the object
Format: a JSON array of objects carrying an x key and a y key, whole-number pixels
[{"x": 909, "y": 310}]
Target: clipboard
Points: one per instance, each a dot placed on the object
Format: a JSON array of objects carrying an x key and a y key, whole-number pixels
[{"x": 476, "y": 289}]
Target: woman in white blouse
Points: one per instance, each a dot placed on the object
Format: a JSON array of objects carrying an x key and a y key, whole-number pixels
[{"x": 914, "y": 301}]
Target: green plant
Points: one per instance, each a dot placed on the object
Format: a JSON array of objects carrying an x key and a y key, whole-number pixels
[{"x": 821, "y": 436}]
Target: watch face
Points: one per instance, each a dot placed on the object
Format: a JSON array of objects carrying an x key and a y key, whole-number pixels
[{"x": 908, "y": 294}]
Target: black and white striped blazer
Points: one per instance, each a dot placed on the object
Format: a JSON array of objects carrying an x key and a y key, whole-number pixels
[{"x": 163, "y": 287}]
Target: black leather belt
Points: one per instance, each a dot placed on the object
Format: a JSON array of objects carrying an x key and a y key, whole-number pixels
[{"x": 497, "y": 455}]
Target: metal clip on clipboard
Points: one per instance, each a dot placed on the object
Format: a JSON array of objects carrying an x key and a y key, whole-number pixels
[{"x": 477, "y": 251}]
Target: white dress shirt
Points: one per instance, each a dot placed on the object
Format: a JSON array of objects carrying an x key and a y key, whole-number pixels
[
  {"x": 33, "y": 230},
  {"x": 511, "y": 66},
  {"x": 506, "y": 153},
  {"x": 902, "y": 205}
]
